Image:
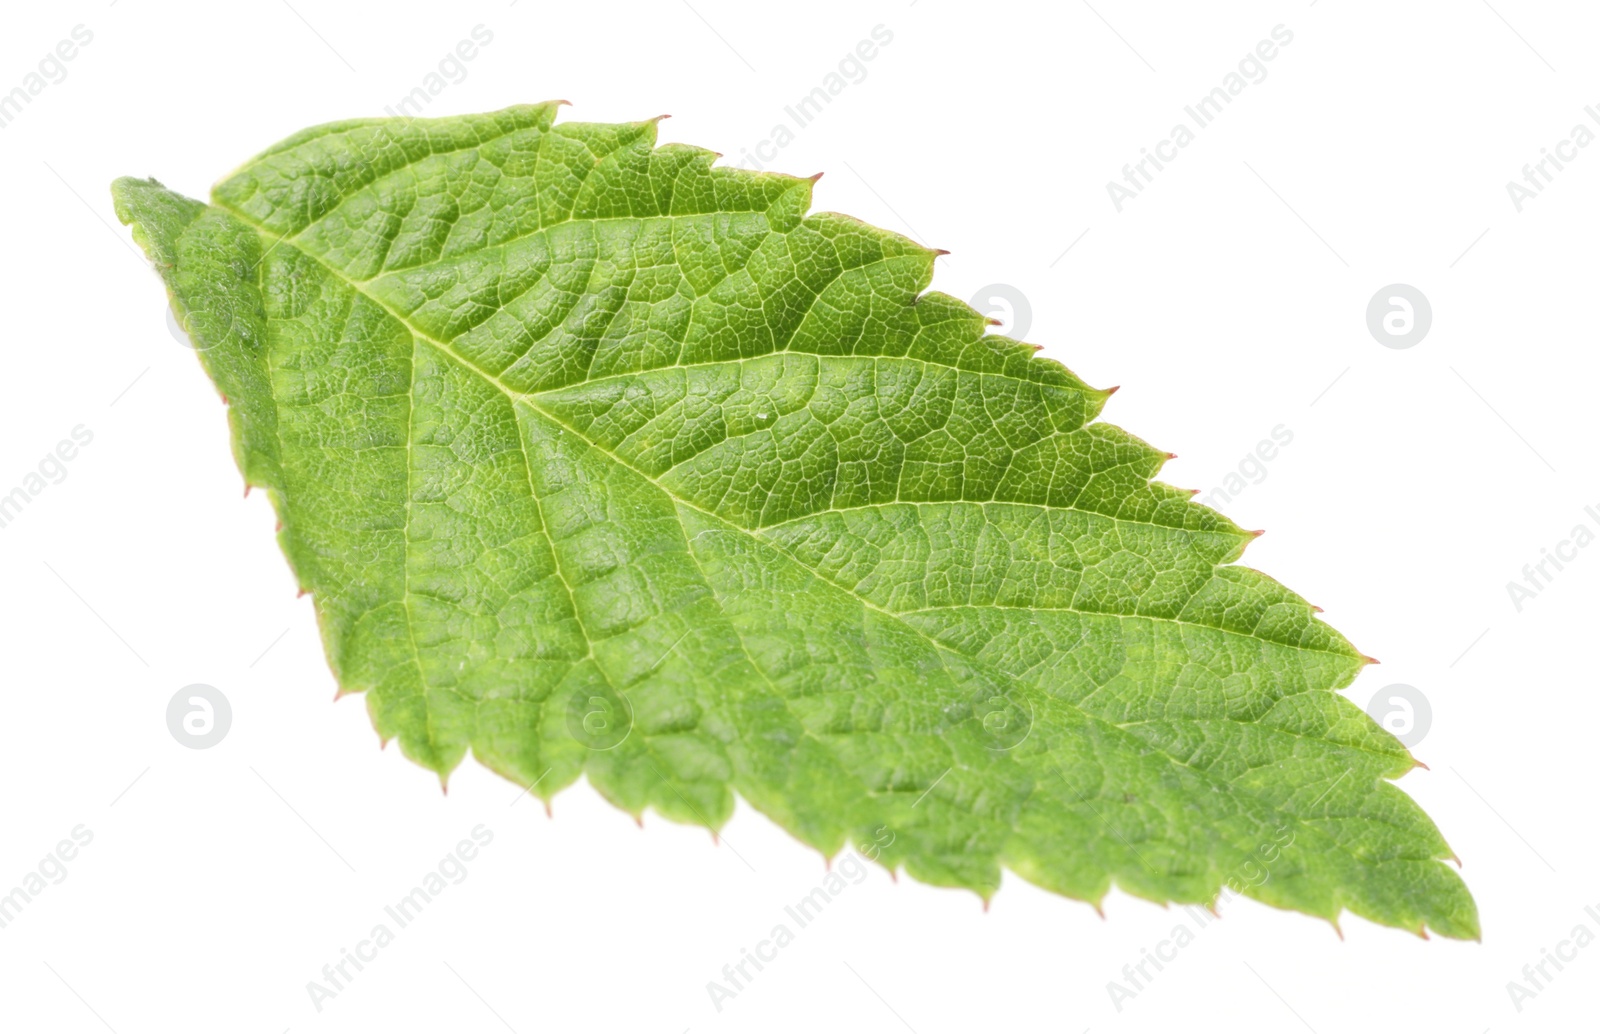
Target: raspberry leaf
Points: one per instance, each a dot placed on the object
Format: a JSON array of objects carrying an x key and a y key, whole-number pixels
[{"x": 601, "y": 460}]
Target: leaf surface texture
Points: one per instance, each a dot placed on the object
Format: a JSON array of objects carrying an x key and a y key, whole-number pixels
[{"x": 601, "y": 460}]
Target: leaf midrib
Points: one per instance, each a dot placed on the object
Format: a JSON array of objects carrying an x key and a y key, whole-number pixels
[
  {"x": 531, "y": 401},
  {"x": 939, "y": 648}
]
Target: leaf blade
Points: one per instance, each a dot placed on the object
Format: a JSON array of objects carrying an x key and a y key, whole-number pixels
[{"x": 568, "y": 430}]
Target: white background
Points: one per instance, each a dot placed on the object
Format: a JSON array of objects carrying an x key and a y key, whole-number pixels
[{"x": 1226, "y": 299}]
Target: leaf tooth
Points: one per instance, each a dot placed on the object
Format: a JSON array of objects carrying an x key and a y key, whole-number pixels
[{"x": 647, "y": 130}]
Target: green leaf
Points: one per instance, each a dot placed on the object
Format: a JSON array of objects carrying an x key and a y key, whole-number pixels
[{"x": 600, "y": 460}]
